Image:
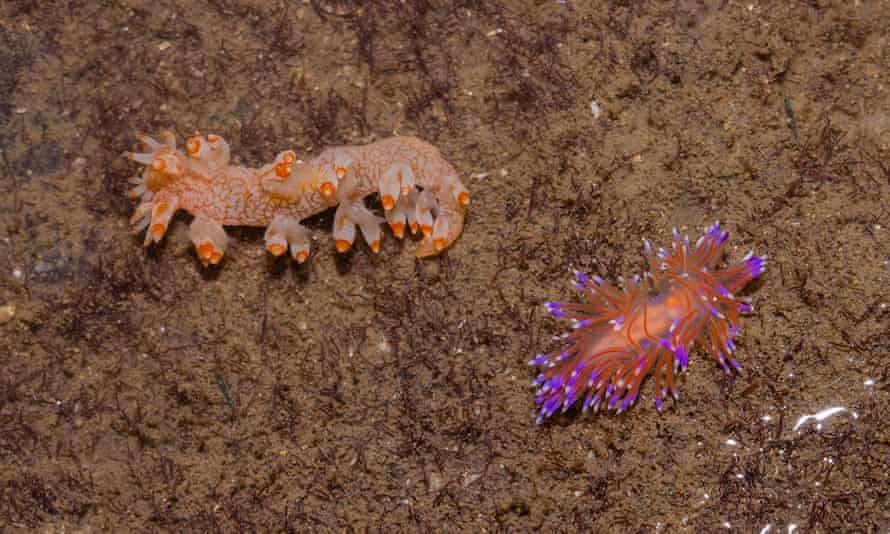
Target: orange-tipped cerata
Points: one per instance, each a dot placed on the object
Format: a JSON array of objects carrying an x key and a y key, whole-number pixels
[
  {"x": 158, "y": 230},
  {"x": 276, "y": 249},
  {"x": 418, "y": 189},
  {"x": 193, "y": 145},
  {"x": 205, "y": 250},
  {"x": 328, "y": 189},
  {"x": 343, "y": 245},
  {"x": 398, "y": 229},
  {"x": 282, "y": 170}
]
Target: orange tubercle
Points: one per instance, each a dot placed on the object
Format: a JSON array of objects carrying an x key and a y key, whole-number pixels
[
  {"x": 328, "y": 189},
  {"x": 215, "y": 257},
  {"x": 343, "y": 245},
  {"x": 193, "y": 145},
  {"x": 282, "y": 170},
  {"x": 205, "y": 251},
  {"x": 276, "y": 249},
  {"x": 463, "y": 198},
  {"x": 414, "y": 227},
  {"x": 439, "y": 243},
  {"x": 375, "y": 246},
  {"x": 341, "y": 172},
  {"x": 388, "y": 202},
  {"x": 158, "y": 165},
  {"x": 157, "y": 230},
  {"x": 427, "y": 229},
  {"x": 301, "y": 256},
  {"x": 398, "y": 229}
]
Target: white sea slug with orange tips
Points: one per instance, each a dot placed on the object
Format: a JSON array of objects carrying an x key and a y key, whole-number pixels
[{"x": 418, "y": 189}]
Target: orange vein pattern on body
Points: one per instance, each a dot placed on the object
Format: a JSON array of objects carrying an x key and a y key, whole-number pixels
[{"x": 418, "y": 189}]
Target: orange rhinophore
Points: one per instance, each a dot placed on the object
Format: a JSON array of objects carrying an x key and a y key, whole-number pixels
[{"x": 418, "y": 188}]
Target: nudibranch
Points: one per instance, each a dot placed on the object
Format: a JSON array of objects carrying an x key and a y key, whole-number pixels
[
  {"x": 620, "y": 337},
  {"x": 418, "y": 189}
]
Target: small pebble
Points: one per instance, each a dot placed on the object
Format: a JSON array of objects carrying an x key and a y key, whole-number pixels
[{"x": 7, "y": 313}]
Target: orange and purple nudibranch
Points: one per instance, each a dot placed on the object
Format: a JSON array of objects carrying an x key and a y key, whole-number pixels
[{"x": 621, "y": 337}]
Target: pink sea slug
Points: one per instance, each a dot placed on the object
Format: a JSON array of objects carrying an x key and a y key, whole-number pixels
[{"x": 620, "y": 337}]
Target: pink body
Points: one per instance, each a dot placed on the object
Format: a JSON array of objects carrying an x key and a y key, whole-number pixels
[{"x": 620, "y": 337}]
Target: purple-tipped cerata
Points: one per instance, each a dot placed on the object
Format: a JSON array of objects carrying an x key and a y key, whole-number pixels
[{"x": 620, "y": 337}]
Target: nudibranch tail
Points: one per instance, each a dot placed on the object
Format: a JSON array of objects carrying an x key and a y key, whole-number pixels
[
  {"x": 440, "y": 215},
  {"x": 621, "y": 337}
]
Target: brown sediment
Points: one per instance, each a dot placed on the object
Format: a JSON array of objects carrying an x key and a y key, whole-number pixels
[{"x": 378, "y": 393}]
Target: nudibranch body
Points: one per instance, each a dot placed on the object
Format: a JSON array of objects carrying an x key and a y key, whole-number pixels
[
  {"x": 620, "y": 337},
  {"x": 279, "y": 195}
]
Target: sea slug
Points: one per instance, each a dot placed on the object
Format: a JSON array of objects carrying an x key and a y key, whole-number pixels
[
  {"x": 620, "y": 337},
  {"x": 280, "y": 194}
]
